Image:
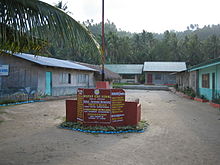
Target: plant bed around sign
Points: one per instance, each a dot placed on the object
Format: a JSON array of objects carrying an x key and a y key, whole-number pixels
[
  {"x": 8, "y": 103},
  {"x": 142, "y": 125}
]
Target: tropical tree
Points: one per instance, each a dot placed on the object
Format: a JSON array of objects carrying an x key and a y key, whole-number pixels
[
  {"x": 211, "y": 47},
  {"x": 38, "y": 21}
]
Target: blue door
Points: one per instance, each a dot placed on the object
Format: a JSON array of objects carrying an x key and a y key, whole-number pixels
[{"x": 48, "y": 90}]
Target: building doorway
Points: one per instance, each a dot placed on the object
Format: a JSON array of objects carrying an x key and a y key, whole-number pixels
[
  {"x": 149, "y": 79},
  {"x": 213, "y": 86},
  {"x": 48, "y": 90}
]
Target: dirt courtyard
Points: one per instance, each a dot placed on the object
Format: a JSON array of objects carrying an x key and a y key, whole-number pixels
[{"x": 181, "y": 132}]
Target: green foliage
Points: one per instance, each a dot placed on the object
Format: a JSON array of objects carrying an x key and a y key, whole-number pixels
[
  {"x": 8, "y": 101},
  {"x": 141, "y": 125},
  {"x": 176, "y": 87},
  {"x": 216, "y": 99},
  {"x": 31, "y": 19},
  {"x": 193, "y": 46},
  {"x": 201, "y": 96},
  {"x": 118, "y": 85},
  {"x": 141, "y": 78},
  {"x": 189, "y": 91}
]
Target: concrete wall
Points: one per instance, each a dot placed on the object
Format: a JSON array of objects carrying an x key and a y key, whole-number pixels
[
  {"x": 193, "y": 80},
  {"x": 58, "y": 88},
  {"x": 23, "y": 74},
  {"x": 209, "y": 93},
  {"x": 182, "y": 79},
  {"x": 165, "y": 78},
  {"x": 129, "y": 80}
]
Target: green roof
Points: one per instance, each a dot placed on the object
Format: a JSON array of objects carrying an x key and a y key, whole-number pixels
[
  {"x": 206, "y": 64},
  {"x": 158, "y": 66},
  {"x": 125, "y": 68}
]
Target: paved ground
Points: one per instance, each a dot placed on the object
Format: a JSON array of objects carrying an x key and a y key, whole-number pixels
[
  {"x": 181, "y": 132},
  {"x": 146, "y": 87}
]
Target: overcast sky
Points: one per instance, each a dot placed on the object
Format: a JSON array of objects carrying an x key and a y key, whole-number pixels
[{"x": 150, "y": 15}]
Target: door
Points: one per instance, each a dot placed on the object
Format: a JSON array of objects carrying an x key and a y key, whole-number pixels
[
  {"x": 213, "y": 86},
  {"x": 149, "y": 79},
  {"x": 48, "y": 90}
]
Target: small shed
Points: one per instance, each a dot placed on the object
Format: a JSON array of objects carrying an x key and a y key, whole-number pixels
[
  {"x": 182, "y": 79},
  {"x": 44, "y": 75},
  {"x": 109, "y": 75},
  {"x": 186, "y": 79},
  {"x": 161, "y": 73},
  {"x": 129, "y": 73},
  {"x": 208, "y": 78}
]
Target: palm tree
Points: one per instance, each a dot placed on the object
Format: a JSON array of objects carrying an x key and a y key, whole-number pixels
[{"x": 37, "y": 22}]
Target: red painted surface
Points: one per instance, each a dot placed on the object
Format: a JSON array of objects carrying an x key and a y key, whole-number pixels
[
  {"x": 71, "y": 110},
  {"x": 188, "y": 97},
  {"x": 139, "y": 112},
  {"x": 96, "y": 105},
  {"x": 101, "y": 106},
  {"x": 149, "y": 79},
  {"x": 87, "y": 111},
  {"x": 102, "y": 85},
  {"x": 214, "y": 105},
  {"x": 132, "y": 113},
  {"x": 200, "y": 100}
]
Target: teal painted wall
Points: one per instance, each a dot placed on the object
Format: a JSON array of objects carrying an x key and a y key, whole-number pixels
[
  {"x": 208, "y": 92},
  {"x": 48, "y": 83}
]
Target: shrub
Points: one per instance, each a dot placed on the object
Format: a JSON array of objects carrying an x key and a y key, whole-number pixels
[
  {"x": 189, "y": 91},
  {"x": 216, "y": 99}
]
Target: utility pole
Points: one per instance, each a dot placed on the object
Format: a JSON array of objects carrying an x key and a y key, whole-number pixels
[{"x": 103, "y": 43}]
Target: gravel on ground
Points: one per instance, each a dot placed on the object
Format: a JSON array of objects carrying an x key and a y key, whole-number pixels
[{"x": 181, "y": 132}]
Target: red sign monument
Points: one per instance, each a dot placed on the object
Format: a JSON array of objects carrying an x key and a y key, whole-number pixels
[{"x": 100, "y": 106}]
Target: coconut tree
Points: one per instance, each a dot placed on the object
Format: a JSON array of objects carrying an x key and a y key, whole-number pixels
[{"x": 28, "y": 24}]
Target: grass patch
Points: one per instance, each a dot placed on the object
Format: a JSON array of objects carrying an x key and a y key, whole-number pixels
[
  {"x": 7, "y": 101},
  {"x": 142, "y": 125},
  {"x": 119, "y": 84}
]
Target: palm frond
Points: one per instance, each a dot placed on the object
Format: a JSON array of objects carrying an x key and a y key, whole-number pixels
[
  {"x": 24, "y": 44},
  {"x": 38, "y": 19}
]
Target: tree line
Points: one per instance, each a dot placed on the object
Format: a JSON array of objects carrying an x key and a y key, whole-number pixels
[{"x": 193, "y": 46}]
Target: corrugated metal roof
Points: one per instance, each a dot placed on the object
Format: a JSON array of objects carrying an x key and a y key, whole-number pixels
[
  {"x": 125, "y": 68},
  {"x": 53, "y": 62},
  {"x": 206, "y": 64},
  {"x": 109, "y": 75},
  {"x": 164, "y": 66}
]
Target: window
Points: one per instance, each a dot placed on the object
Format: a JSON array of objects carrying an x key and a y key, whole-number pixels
[
  {"x": 82, "y": 78},
  {"x": 69, "y": 78},
  {"x": 205, "y": 80},
  {"x": 65, "y": 78},
  {"x": 157, "y": 76}
]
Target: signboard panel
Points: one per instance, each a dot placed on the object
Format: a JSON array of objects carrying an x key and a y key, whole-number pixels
[
  {"x": 4, "y": 69},
  {"x": 118, "y": 103},
  {"x": 104, "y": 106},
  {"x": 97, "y": 106},
  {"x": 80, "y": 105}
]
